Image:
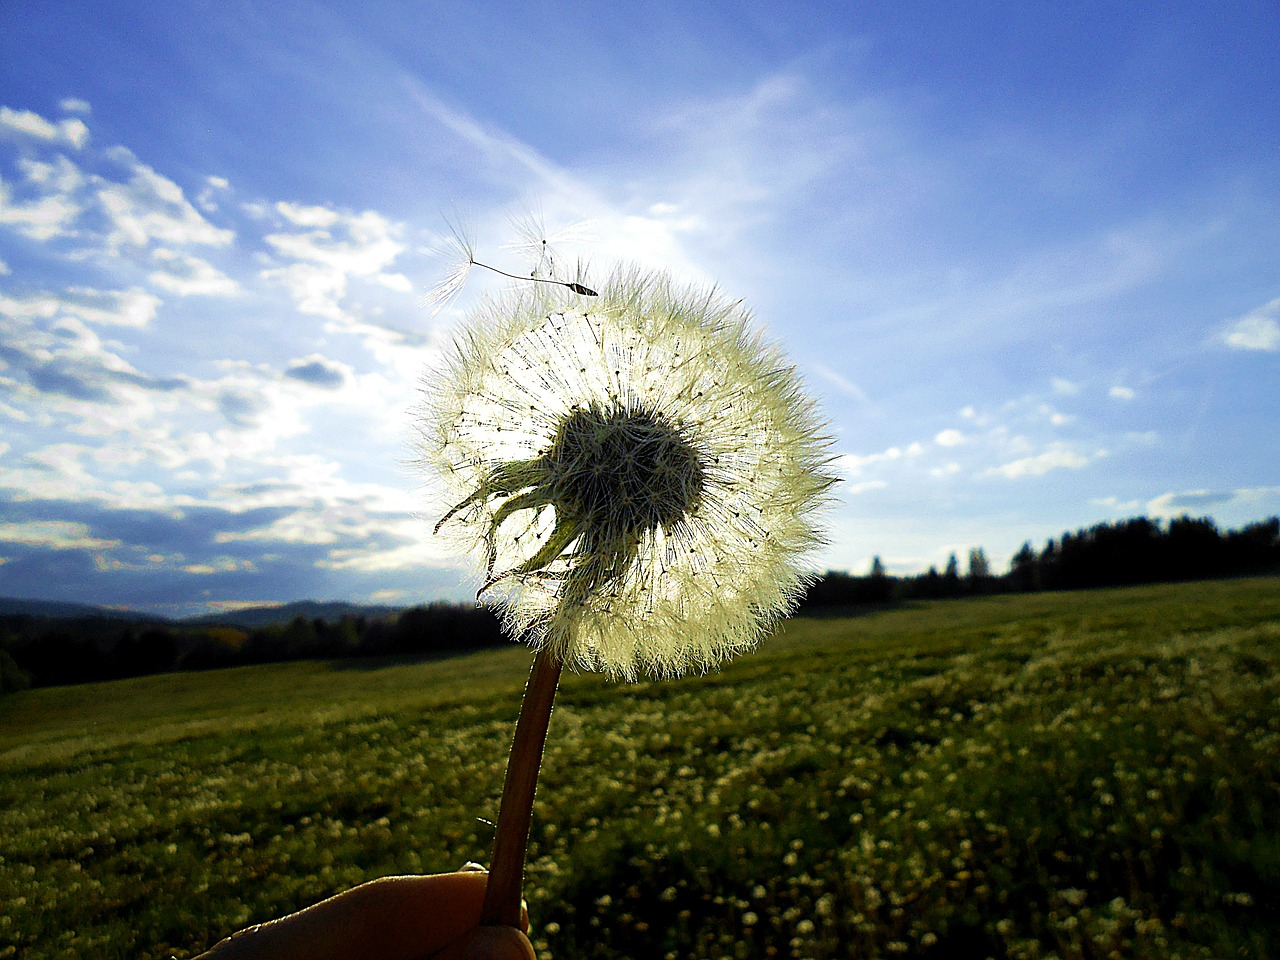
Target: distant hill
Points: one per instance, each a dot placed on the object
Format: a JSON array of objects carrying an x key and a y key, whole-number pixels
[
  {"x": 59, "y": 610},
  {"x": 250, "y": 618}
]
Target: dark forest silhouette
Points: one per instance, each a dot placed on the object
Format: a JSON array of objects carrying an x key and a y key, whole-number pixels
[
  {"x": 43, "y": 651},
  {"x": 1124, "y": 553}
]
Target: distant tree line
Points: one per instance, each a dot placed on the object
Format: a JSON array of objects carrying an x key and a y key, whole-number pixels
[
  {"x": 42, "y": 651},
  {"x": 1145, "y": 551},
  {"x": 1140, "y": 550}
]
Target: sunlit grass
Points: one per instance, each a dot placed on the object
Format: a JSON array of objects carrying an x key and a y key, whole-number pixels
[{"x": 1070, "y": 775}]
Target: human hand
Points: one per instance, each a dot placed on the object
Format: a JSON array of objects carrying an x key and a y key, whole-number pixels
[{"x": 396, "y": 918}]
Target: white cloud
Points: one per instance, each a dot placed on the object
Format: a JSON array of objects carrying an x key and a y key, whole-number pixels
[
  {"x": 366, "y": 526},
  {"x": 1121, "y": 393},
  {"x": 61, "y": 372},
  {"x": 1057, "y": 457},
  {"x": 366, "y": 245},
  {"x": 181, "y": 441},
  {"x": 41, "y": 219},
  {"x": 219, "y": 565},
  {"x": 1247, "y": 500},
  {"x": 207, "y": 198},
  {"x": 949, "y": 438},
  {"x": 307, "y": 216},
  {"x": 4, "y": 269},
  {"x": 316, "y": 290},
  {"x": 338, "y": 247},
  {"x": 1055, "y": 417},
  {"x": 70, "y": 132},
  {"x": 395, "y": 281},
  {"x": 1116, "y": 505},
  {"x": 1190, "y": 501},
  {"x": 853, "y": 464},
  {"x": 53, "y": 534},
  {"x": 1257, "y": 330},
  {"x": 74, "y": 105},
  {"x": 1065, "y": 387},
  {"x": 121, "y": 308},
  {"x": 379, "y": 559},
  {"x": 151, "y": 207},
  {"x": 854, "y": 489},
  {"x": 26, "y": 308},
  {"x": 189, "y": 276},
  {"x": 1256, "y": 494},
  {"x": 57, "y": 176},
  {"x": 74, "y": 132}
]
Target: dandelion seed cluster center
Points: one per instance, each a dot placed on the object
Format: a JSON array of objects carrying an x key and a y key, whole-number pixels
[{"x": 628, "y": 471}]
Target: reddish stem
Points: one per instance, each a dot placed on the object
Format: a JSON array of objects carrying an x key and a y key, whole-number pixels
[{"x": 506, "y": 873}]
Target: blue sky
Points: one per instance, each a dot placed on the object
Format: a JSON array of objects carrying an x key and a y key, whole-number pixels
[{"x": 1023, "y": 254}]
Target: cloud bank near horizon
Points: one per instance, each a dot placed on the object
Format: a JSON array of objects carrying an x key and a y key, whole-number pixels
[{"x": 208, "y": 369}]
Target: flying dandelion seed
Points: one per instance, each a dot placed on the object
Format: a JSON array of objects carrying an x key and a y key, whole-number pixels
[
  {"x": 639, "y": 475},
  {"x": 460, "y": 247}
]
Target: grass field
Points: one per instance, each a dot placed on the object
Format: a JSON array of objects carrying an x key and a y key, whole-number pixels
[{"x": 1083, "y": 775}]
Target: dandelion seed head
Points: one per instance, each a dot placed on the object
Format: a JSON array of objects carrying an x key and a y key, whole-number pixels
[{"x": 638, "y": 475}]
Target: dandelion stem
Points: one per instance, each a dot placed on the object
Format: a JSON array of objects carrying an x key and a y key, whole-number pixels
[{"x": 506, "y": 872}]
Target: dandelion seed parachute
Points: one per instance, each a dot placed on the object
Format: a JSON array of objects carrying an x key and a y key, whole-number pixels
[{"x": 638, "y": 474}]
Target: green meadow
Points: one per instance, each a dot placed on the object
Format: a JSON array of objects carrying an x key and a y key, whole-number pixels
[{"x": 1071, "y": 775}]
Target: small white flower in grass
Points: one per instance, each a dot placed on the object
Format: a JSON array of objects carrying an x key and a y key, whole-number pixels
[{"x": 639, "y": 472}]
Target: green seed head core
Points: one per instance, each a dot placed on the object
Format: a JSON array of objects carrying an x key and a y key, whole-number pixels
[
  {"x": 612, "y": 475},
  {"x": 622, "y": 472}
]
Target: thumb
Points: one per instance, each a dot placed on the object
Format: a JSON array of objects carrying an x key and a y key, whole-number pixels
[{"x": 489, "y": 943}]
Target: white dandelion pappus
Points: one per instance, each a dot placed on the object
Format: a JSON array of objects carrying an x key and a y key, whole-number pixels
[
  {"x": 639, "y": 473},
  {"x": 459, "y": 248}
]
